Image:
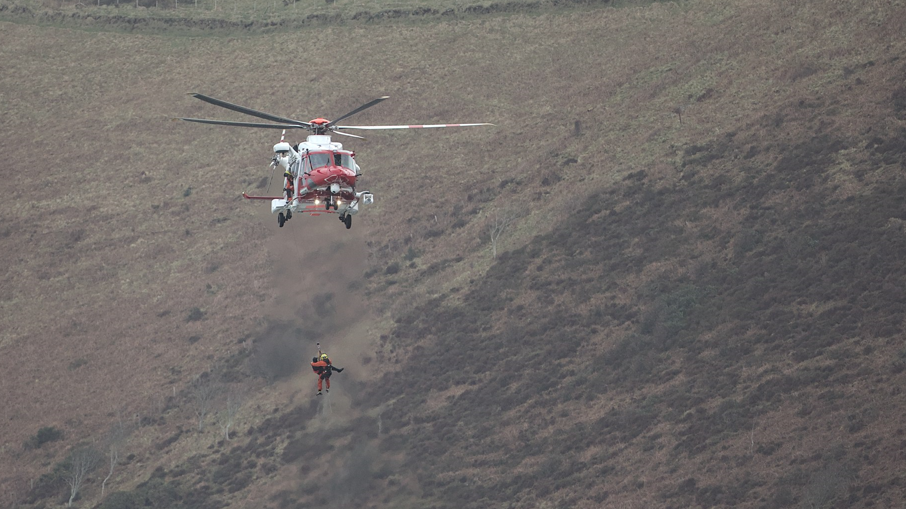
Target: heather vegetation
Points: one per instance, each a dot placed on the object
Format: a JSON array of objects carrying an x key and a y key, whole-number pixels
[
  {"x": 670, "y": 276},
  {"x": 243, "y": 16},
  {"x": 683, "y": 360}
]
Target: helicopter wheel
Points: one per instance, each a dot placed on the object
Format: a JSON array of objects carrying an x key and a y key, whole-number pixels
[
  {"x": 348, "y": 221},
  {"x": 281, "y": 219},
  {"x": 327, "y": 204},
  {"x": 289, "y": 215}
]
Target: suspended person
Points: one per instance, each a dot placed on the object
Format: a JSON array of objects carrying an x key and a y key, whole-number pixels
[{"x": 323, "y": 368}]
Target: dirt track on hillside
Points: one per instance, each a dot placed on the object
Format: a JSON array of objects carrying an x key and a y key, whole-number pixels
[{"x": 152, "y": 23}]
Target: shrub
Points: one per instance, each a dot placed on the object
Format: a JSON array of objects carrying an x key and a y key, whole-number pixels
[
  {"x": 44, "y": 435},
  {"x": 48, "y": 485},
  {"x": 195, "y": 314},
  {"x": 122, "y": 500},
  {"x": 76, "y": 364}
]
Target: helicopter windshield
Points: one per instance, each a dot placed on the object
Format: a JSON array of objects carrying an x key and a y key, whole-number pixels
[
  {"x": 346, "y": 161},
  {"x": 319, "y": 160}
]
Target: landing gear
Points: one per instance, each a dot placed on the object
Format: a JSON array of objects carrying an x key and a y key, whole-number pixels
[
  {"x": 289, "y": 215},
  {"x": 281, "y": 219},
  {"x": 348, "y": 221}
]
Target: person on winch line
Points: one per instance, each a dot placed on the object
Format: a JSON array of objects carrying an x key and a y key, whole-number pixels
[{"x": 323, "y": 368}]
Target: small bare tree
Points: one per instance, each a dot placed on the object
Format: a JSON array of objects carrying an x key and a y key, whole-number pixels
[
  {"x": 679, "y": 112},
  {"x": 115, "y": 440},
  {"x": 82, "y": 462},
  {"x": 231, "y": 408},
  {"x": 497, "y": 226},
  {"x": 204, "y": 392}
]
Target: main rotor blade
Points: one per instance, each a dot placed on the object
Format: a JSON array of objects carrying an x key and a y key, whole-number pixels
[
  {"x": 247, "y": 111},
  {"x": 423, "y": 126},
  {"x": 347, "y": 134},
  {"x": 360, "y": 108},
  {"x": 244, "y": 124}
]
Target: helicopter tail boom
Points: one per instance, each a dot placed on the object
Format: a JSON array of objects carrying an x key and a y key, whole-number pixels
[{"x": 250, "y": 197}]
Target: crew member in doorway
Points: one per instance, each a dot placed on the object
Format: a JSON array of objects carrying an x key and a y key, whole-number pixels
[{"x": 289, "y": 188}]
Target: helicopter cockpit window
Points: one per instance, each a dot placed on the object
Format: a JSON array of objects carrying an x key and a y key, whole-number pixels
[
  {"x": 319, "y": 160},
  {"x": 346, "y": 161}
]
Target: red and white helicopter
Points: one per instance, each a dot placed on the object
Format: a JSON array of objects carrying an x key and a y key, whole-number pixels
[{"x": 317, "y": 171}]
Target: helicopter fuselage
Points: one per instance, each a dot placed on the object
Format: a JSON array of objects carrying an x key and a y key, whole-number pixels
[
  {"x": 318, "y": 168},
  {"x": 318, "y": 175}
]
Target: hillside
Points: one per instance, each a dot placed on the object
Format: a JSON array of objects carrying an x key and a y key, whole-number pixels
[{"x": 697, "y": 300}]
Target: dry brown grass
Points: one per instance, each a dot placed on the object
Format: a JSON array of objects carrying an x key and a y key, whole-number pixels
[{"x": 105, "y": 256}]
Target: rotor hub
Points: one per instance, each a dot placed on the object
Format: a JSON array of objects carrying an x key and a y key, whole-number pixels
[{"x": 319, "y": 125}]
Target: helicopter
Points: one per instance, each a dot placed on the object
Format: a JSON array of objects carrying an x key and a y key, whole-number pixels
[{"x": 318, "y": 171}]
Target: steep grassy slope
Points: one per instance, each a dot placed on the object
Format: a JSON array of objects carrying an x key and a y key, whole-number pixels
[
  {"x": 243, "y": 16},
  {"x": 698, "y": 301},
  {"x": 739, "y": 361}
]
